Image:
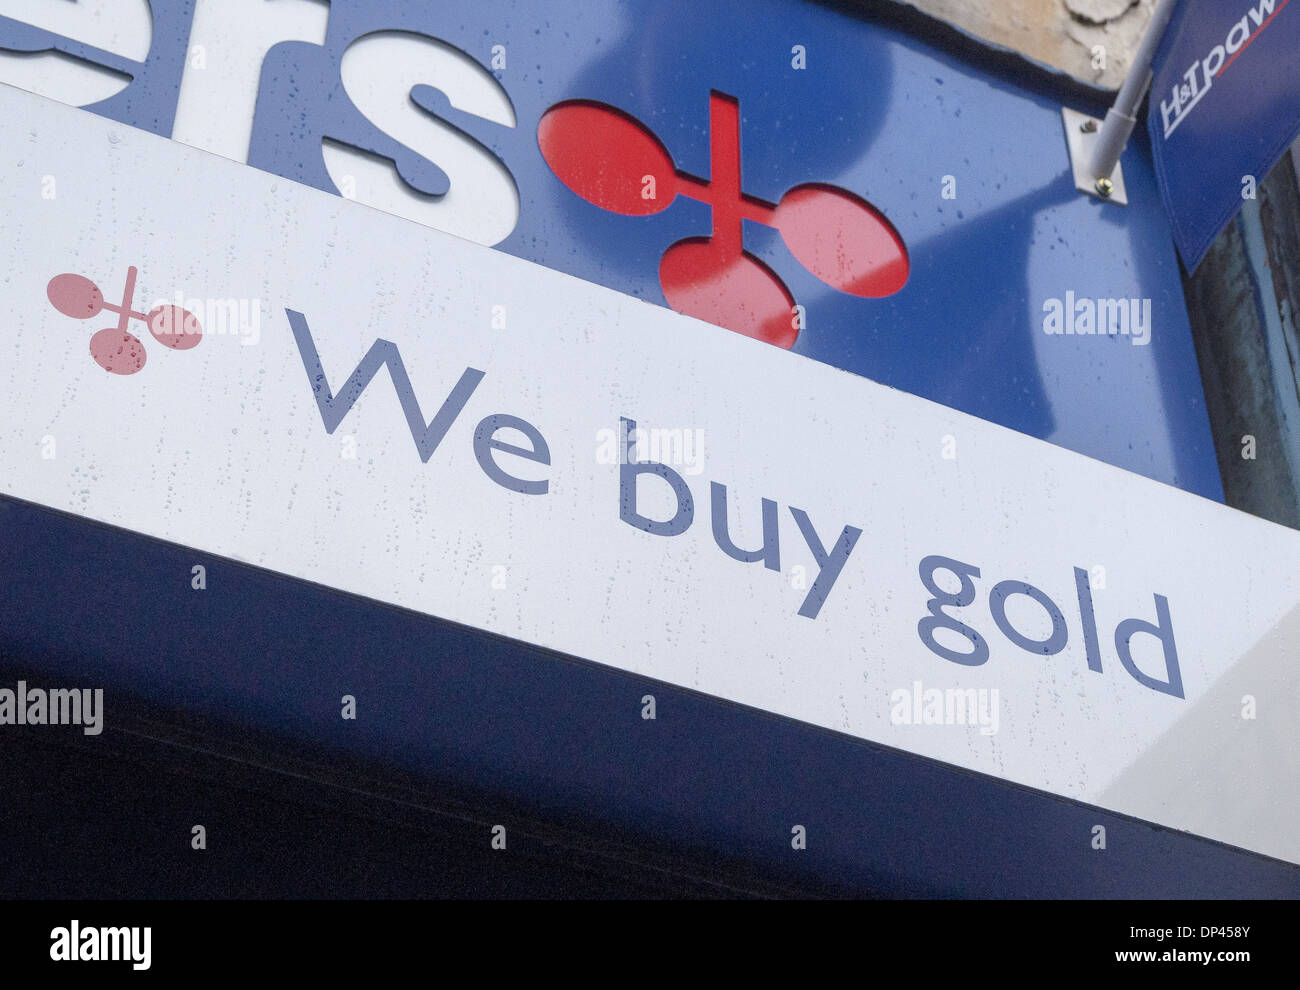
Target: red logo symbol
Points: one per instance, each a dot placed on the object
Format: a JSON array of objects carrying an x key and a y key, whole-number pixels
[
  {"x": 114, "y": 348},
  {"x": 611, "y": 160}
]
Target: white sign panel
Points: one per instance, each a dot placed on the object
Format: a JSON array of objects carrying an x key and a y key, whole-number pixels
[{"x": 407, "y": 416}]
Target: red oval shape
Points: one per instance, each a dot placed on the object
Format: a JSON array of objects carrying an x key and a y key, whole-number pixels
[
  {"x": 843, "y": 240},
  {"x": 735, "y": 291},
  {"x": 607, "y": 158},
  {"x": 117, "y": 351},
  {"x": 174, "y": 327},
  {"x": 75, "y": 296}
]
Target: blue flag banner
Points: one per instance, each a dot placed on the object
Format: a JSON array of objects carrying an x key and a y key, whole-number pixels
[{"x": 1224, "y": 107}]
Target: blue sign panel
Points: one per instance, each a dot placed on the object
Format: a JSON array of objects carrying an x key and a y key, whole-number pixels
[
  {"x": 1224, "y": 107},
  {"x": 548, "y": 734},
  {"x": 789, "y": 171}
]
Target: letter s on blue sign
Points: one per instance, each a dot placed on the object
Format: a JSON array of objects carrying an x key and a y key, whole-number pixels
[
  {"x": 217, "y": 91},
  {"x": 379, "y": 70}
]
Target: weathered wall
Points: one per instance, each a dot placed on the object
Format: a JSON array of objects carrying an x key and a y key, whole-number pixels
[
  {"x": 1064, "y": 34},
  {"x": 1242, "y": 302}
]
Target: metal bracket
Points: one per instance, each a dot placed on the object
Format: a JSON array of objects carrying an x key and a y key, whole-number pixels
[{"x": 1081, "y": 133}]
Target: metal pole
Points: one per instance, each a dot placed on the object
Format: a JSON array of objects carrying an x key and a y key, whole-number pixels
[{"x": 1122, "y": 117}]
